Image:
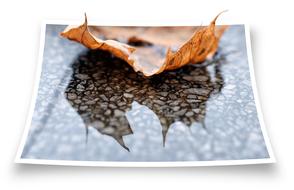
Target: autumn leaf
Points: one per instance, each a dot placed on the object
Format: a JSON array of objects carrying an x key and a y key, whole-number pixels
[{"x": 151, "y": 50}]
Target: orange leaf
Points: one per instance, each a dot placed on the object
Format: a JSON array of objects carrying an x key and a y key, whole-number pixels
[{"x": 149, "y": 49}]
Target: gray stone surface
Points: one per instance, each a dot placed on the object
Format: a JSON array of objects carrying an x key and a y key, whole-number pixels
[{"x": 92, "y": 106}]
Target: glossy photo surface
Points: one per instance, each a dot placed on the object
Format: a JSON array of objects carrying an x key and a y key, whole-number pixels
[{"x": 91, "y": 106}]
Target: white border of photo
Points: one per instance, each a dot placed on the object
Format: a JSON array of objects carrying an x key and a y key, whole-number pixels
[{"x": 18, "y": 158}]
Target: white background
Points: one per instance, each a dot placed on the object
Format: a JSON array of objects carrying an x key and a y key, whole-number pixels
[{"x": 272, "y": 40}]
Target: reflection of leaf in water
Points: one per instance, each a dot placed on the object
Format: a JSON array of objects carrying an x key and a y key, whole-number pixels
[
  {"x": 151, "y": 50},
  {"x": 102, "y": 89}
]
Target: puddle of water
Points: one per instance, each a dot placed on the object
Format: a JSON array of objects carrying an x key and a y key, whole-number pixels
[{"x": 92, "y": 106}]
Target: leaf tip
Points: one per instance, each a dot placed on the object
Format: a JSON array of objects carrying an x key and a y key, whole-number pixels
[
  {"x": 214, "y": 20},
  {"x": 86, "y": 20}
]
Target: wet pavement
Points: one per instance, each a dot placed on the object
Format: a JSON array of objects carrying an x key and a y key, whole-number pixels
[{"x": 93, "y": 106}]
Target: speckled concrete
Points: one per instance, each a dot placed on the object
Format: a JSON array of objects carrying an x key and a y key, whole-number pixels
[{"x": 92, "y": 106}]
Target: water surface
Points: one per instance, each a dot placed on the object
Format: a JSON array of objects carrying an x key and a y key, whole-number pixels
[{"x": 93, "y": 106}]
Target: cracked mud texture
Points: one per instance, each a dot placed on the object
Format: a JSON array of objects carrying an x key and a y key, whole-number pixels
[{"x": 93, "y": 106}]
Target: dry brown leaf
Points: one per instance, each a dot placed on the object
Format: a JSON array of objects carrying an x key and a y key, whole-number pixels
[{"x": 151, "y": 50}]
